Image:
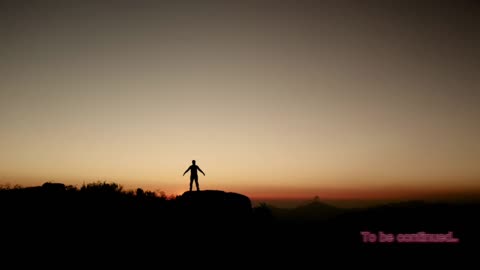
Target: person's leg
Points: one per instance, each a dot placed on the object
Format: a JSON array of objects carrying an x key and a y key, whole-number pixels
[
  {"x": 196, "y": 183},
  {"x": 191, "y": 182}
]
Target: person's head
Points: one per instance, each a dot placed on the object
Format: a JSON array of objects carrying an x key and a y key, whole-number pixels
[{"x": 193, "y": 162}]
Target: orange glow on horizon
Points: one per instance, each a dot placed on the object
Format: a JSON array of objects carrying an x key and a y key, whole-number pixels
[{"x": 289, "y": 192}]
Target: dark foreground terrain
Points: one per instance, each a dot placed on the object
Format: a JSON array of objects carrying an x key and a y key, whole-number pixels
[{"x": 101, "y": 219}]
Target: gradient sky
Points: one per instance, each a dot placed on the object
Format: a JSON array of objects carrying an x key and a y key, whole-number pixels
[{"x": 341, "y": 99}]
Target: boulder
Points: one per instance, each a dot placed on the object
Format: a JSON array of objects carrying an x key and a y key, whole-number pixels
[
  {"x": 49, "y": 186},
  {"x": 215, "y": 204}
]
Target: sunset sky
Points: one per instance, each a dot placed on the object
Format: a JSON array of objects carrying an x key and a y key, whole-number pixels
[{"x": 340, "y": 99}]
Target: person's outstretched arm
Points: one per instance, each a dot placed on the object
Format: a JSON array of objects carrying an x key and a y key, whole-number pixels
[
  {"x": 187, "y": 170},
  {"x": 201, "y": 171}
]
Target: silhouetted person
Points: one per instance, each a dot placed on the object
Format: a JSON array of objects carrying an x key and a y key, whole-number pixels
[{"x": 193, "y": 174}]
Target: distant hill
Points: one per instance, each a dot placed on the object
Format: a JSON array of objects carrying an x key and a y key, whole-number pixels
[{"x": 313, "y": 210}]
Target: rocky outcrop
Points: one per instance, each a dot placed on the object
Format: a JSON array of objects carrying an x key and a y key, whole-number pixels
[
  {"x": 215, "y": 203},
  {"x": 53, "y": 186}
]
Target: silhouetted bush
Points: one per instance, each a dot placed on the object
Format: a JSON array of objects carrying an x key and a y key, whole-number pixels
[
  {"x": 263, "y": 212},
  {"x": 103, "y": 187}
]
